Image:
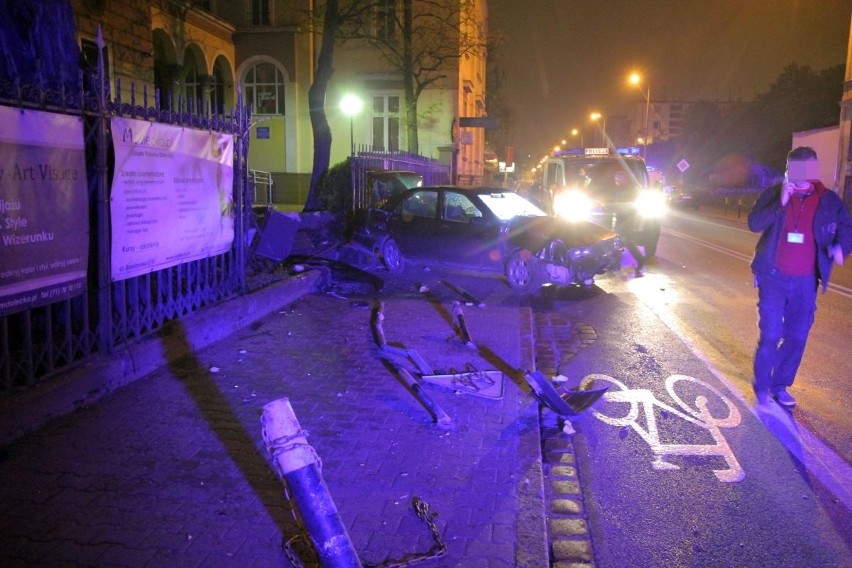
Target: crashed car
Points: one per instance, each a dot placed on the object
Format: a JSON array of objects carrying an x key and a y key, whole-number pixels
[{"x": 493, "y": 229}]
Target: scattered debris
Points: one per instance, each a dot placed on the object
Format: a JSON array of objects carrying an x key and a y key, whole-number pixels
[
  {"x": 466, "y": 296},
  {"x": 487, "y": 384},
  {"x": 340, "y": 279},
  {"x": 462, "y": 331},
  {"x": 567, "y": 402},
  {"x": 438, "y": 415}
]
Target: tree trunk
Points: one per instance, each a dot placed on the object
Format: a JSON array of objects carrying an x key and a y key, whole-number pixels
[
  {"x": 316, "y": 105},
  {"x": 408, "y": 74}
]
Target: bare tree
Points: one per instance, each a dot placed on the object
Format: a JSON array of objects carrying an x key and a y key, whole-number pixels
[
  {"x": 424, "y": 42},
  {"x": 316, "y": 103},
  {"x": 334, "y": 21}
]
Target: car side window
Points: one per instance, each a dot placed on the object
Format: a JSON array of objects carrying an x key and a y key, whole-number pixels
[
  {"x": 458, "y": 208},
  {"x": 423, "y": 204}
]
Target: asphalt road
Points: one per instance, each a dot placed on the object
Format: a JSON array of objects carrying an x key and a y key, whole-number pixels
[{"x": 677, "y": 466}]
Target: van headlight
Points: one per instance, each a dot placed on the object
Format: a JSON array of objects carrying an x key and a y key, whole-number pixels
[
  {"x": 651, "y": 204},
  {"x": 573, "y": 204}
]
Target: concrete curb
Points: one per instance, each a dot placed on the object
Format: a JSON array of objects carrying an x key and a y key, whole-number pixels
[{"x": 101, "y": 375}]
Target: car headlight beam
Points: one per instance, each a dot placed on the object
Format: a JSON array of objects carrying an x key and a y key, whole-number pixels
[
  {"x": 651, "y": 204},
  {"x": 573, "y": 205}
]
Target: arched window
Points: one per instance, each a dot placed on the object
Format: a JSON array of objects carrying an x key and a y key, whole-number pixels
[
  {"x": 192, "y": 88},
  {"x": 264, "y": 89}
]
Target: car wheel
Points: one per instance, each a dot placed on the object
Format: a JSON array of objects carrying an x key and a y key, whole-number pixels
[
  {"x": 523, "y": 271},
  {"x": 391, "y": 256}
]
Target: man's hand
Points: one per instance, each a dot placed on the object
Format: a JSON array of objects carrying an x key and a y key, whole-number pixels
[
  {"x": 836, "y": 252},
  {"x": 787, "y": 191}
]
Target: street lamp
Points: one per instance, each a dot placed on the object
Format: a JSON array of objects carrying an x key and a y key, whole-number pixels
[
  {"x": 635, "y": 79},
  {"x": 598, "y": 116},
  {"x": 351, "y": 105},
  {"x": 575, "y": 132}
]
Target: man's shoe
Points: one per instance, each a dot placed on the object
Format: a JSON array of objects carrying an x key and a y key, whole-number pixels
[
  {"x": 639, "y": 272},
  {"x": 785, "y": 399}
]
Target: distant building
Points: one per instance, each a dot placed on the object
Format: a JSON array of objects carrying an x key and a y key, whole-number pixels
[{"x": 665, "y": 118}]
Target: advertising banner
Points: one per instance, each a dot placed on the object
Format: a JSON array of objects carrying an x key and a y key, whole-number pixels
[
  {"x": 171, "y": 199},
  {"x": 44, "y": 216}
]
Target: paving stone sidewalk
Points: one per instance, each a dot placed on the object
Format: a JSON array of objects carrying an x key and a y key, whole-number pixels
[{"x": 171, "y": 469}]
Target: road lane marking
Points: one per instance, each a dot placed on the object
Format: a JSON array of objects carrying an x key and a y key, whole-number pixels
[
  {"x": 832, "y": 287},
  {"x": 817, "y": 458},
  {"x": 699, "y": 415}
]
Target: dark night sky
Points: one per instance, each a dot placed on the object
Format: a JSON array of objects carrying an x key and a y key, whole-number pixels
[{"x": 564, "y": 59}]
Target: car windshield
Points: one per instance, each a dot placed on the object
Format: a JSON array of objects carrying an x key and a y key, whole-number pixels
[
  {"x": 606, "y": 176},
  {"x": 505, "y": 205}
]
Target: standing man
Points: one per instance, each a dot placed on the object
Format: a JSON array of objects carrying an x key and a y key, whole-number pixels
[{"x": 805, "y": 228}]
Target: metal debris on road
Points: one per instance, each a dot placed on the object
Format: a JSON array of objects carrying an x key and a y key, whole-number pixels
[
  {"x": 462, "y": 331},
  {"x": 568, "y": 402},
  {"x": 466, "y": 296},
  {"x": 487, "y": 384}
]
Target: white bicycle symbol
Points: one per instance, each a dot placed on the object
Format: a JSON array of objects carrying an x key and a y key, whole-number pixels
[{"x": 697, "y": 413}]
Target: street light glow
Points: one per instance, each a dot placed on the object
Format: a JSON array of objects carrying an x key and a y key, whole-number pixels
[{"x": 351, "y": 105}]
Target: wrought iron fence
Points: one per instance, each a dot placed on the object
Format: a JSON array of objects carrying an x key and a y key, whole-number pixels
[
  {"x": 434, "y": 172},
  {"x": 37, "y": 343}
]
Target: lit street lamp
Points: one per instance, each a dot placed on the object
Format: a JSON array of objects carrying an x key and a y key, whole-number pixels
[
  {"x": 598, "y": 116},
  {"x": 575, "y": 132},
  {"x": 635, "y": 79},
  {"x": 351, "y": 105}
]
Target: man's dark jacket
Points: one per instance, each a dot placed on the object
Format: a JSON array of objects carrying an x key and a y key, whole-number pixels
[{"x": 832, "y": 225}]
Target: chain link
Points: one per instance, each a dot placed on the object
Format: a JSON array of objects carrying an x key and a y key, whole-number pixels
[
  {"x": 421, "y": 508},
  {"x": 437, "y": 550}
]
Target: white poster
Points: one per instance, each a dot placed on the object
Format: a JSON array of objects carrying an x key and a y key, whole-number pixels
[
  {"x": 44, "y": 217},
  {"x": 172, "y": 196}
]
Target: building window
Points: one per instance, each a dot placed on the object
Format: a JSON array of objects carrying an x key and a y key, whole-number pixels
[
  {"x": 386, "y": 122},
  {"x": 217, "y": 92},
  {"x": 192, "y": 89},
  {"x": 264, "y": 89},
  {"x": 384, "y": 20},
  {"x": 89, "y": 63},
  {"x": 260, "y": 13}
]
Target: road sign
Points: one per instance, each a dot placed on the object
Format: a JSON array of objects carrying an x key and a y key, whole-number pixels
[{"x": 683, "y": 165}]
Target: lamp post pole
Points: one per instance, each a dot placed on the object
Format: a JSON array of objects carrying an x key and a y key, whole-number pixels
[
  {"x": 647, "y": 112},
  {"x": 351, "y": 105},
  {"x": 598, "y": 116},
  {"x": 351, "y": 135},
  {"x": 636, "y": 79}
]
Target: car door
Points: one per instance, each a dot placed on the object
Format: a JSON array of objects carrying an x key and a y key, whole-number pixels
[
  {"x": 467, "y": 234},
  {"x": 414, "y": 222}
]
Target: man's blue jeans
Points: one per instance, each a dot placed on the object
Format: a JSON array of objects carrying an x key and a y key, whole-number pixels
[{"x": 785, "y": 308}]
